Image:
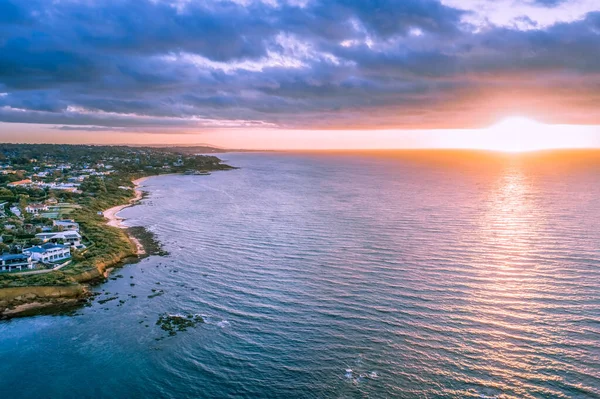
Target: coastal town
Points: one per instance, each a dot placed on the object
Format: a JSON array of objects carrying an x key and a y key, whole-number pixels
[{"x": 53, "y": 199}]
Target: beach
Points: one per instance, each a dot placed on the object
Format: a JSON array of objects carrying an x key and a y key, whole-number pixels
[{"x": 114, "y": 220}]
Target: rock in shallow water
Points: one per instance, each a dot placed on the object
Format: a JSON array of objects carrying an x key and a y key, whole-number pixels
[{"x": 178, "y": 323}]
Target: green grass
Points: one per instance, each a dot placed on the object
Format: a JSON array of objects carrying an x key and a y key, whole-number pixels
[
  {"x": 56, "y": 278},
  {"x": 67, "y": 206},
  {"x": 50, "y": 215}
]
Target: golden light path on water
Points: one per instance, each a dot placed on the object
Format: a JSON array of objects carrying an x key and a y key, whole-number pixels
[
  {"x": 508, "y": 230},
  {"x": 515, "y": 285}
]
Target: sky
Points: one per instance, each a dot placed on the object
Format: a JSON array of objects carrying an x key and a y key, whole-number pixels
[{"x": 506, "y": 74}]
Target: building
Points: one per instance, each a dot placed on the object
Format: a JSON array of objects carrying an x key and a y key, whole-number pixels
[
  {"x": 49, "y": 253},
  {"x": 70, "y": 188},
  {"x": 25, "y": 182},
  {"x": 69, "y": 238},
  {"x": 75, "y": 179},
  {"x": 66, "y": 224},
  {"x": 36, "y": 208},
  {"x": 12, "y": 262}
]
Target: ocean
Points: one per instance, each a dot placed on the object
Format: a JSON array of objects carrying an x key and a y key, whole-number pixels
[{"x": 410, "y": 274}]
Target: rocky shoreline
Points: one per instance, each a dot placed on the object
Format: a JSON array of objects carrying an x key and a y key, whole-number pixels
[
  {"x": 35, "y": 300},
  {"x": 29, "y": 301},
  {"x": 147, "y": 240}
]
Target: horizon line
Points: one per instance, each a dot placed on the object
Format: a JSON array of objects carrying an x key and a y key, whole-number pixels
[{"x": 225, "y": 149}]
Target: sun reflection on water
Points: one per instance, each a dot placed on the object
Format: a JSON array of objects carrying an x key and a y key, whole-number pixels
[
  {"x": 511, "y": 220},
  {"x": 509, "y": 282}
]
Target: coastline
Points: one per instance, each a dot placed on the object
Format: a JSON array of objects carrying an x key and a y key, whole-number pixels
[
  {"x": 111, "y": 214},
  {"x": 115, "y": 245},
  {"x": 33, "y": 300}
]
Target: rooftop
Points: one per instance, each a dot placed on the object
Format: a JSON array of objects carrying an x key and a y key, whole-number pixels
[
  {"x": 20, "y": 182},
  {"x": 45, "y": 247},
  {"x": 36, "y": 206},
  {"x": 13, "y": 256}
]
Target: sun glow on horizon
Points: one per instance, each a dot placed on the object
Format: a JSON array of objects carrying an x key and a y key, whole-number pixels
[
  {"x": 511, "y": 135},
  {"x": 519, "y": 134},
  {"x": 516, "y": 134}
]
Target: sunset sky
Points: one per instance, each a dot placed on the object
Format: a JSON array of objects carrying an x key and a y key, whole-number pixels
[{"x": 501, "y": 74}]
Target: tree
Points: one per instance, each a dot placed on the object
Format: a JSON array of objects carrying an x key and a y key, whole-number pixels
[
  {"x": 35, "y": 241},
  {"x": 23, "y": 201}
]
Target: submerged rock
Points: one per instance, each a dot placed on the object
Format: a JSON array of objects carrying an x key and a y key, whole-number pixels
[
  {"x": 103, "y": 301},
  {"x": 156, "y": 293},
  {"x": 178, "y": 323}
]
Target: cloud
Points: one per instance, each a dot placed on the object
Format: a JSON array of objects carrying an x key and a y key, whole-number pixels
[
  {"x": 548, "y": 3},
  {"x": 90, "y": 128},
  {"x": 315, "y": 64}
]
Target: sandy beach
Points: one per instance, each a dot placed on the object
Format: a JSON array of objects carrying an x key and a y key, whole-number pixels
[{"x": 114, "y": 220}]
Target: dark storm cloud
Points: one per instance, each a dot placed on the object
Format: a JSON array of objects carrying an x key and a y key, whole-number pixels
[{"x": 380, "y": 63}]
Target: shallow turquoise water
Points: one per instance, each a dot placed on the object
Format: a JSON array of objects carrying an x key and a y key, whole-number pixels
[{"x": 426, "y": 276}]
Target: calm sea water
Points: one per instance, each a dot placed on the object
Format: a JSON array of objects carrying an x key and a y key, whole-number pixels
[{"x": 427, "y": 276}]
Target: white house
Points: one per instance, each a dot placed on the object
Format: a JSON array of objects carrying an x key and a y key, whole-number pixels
[
  {"x": 66, "y": 224},
  {"x": 11, "y": 262},
  {"x": 36, "y": 208},
  {"x": 69, "y": 238},
  {"x": 79, "y": 178},
  {"x": 49, "y": 252}
]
